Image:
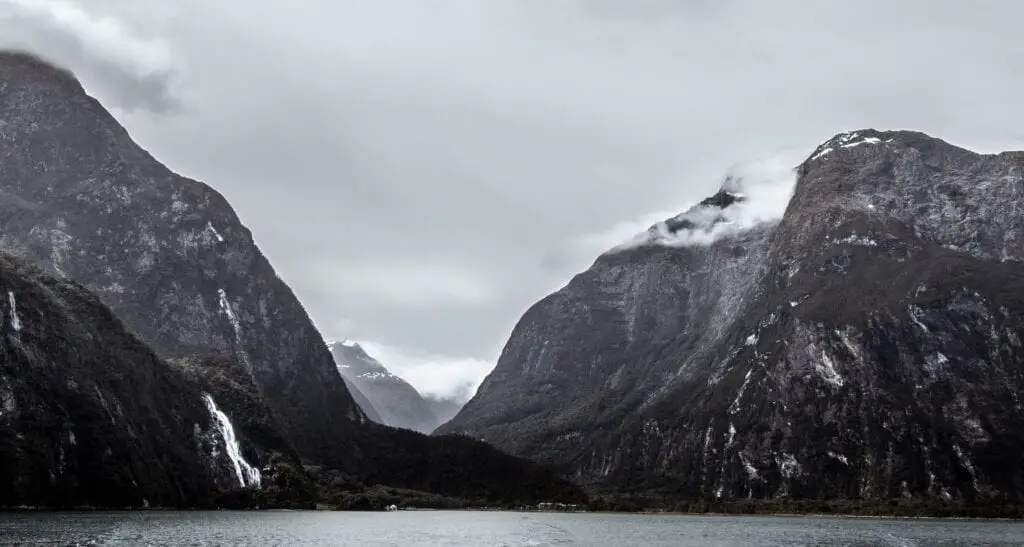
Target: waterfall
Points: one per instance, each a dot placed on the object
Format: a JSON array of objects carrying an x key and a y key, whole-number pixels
[
  {"x": 247, "y": 474},
  {"x": 15, "y": 321}
]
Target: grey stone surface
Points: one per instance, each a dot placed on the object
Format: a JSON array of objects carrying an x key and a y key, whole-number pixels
[{"x": 867, "y": 345}]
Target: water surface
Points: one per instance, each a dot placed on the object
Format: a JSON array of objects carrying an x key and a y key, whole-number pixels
[{"x": 476, "y": 529}]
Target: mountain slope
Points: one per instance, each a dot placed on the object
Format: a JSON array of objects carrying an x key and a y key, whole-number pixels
[
  {"x": 364, "y": 403},
  {"x": 91, "y": 416},
  {"x": 166, "y": 253},
  {"x": 396, "y": 402},
  {"x": 445, "y": 408},
  {"x": 867, "y": 345}
]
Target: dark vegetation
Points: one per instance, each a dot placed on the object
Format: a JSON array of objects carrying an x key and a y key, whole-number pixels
[
  {"x": 457, "y": 466},
  {"x": 88, "y": 414},
  {"x": 896, "y": 507}
]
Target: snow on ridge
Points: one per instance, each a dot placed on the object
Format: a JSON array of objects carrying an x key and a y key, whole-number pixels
[
  {"x": 854, "y": 239},
  {"x": 824, "y": 152},
  {"x": 851, "y": 139},
  {"x": 866, "y": 140},
  {"x": 377, "y": 375}
]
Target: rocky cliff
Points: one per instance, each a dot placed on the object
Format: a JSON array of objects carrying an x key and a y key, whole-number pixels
[
  {"x": 867, "y": 345},
  {"x": 395, "y": 402},
  {"x": 90, "y": 416},
  {"x": 167, "y": 254}
]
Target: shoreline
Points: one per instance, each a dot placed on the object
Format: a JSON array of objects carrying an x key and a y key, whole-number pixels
[{"x": 715, "y": 514}]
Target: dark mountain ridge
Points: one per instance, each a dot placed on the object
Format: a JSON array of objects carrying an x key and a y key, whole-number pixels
[
  {"x": 865, "y": 346},
  {"x": 90, "y": 416}
]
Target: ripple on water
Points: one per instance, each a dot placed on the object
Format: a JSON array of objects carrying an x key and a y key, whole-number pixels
[{"x": 466, "y": 528}]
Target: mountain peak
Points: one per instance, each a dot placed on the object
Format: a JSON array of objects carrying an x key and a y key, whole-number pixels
[
  {"x": 850, "y": 139},
  {"x": 843, "y": 144},
  {"x": 39, "y": 68},
  {"x": 395, "y": 401},
  {"x": 896, "y": 175}
]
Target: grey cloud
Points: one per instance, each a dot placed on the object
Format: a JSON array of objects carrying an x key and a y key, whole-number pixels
[
  {"x": 422, "y": 172},
  {"x": 129, "y": 72}
]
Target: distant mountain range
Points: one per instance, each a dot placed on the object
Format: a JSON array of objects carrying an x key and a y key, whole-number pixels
[{"x": 387, "y": 399}]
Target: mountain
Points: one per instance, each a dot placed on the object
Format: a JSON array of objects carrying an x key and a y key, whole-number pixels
[
  {"x": 445, "y": 408},
  {"x": 90, "y": 416},
  {"x": 396, "y": 402},
  {"x": 167, "y": 254},
  {"x": 170, "y": 259},
  {"x": 364, "y": 403},
  {"x": 867, "y": 345}
]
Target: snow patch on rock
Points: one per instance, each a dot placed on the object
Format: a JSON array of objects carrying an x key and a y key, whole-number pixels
[{"x": 854, "y": 239}]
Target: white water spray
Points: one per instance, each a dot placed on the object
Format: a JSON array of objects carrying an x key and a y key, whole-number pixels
[
  {"x": 15, "y": 320},
  {"x": 247, "y": 474}
]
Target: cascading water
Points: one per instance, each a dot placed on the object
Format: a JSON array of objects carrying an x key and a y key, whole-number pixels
[{"x": 247, "y": 474}]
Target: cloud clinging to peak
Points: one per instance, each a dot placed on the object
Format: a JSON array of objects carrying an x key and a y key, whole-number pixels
[{"x": 130, "y": 71}]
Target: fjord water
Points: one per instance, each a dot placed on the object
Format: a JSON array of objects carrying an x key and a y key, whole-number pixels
[{"x": 466, "y": 528}]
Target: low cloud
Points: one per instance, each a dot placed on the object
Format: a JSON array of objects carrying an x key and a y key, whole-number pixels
[
  {"x": 402, "y": 282},
  {"x": 131, "y": 72},
  {"x": 765, "y": 187},
  {"x": 441, "y": 376}
]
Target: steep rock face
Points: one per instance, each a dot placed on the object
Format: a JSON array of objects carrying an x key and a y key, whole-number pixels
[
  {"x": 396, "y": 402},
  {"x": 868, "y": 345},
  {"x": 91, "y": 416},
  {"x": 166, "y": 253},
  {"x": 282, "y": 481}
]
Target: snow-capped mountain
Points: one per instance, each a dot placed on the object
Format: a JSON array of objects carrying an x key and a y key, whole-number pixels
[{"x": 393, "y": 400}]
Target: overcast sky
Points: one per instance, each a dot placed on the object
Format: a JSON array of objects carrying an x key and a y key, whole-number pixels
[{"x": 422, "y": 171}]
